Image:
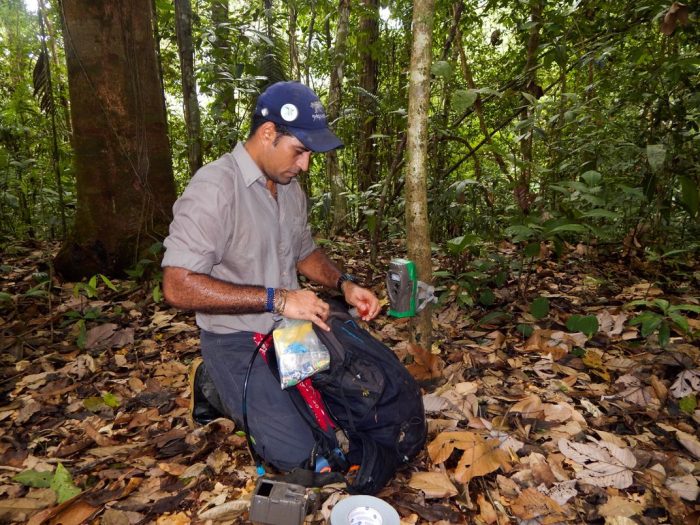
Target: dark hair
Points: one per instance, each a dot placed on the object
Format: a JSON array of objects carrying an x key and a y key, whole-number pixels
[{"x": 259, "y": 120}]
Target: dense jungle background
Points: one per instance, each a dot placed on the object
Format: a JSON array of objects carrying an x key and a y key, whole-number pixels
[{"x": 552, "y": 150}]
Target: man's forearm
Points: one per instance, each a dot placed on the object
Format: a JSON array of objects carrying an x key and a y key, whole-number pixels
[
  {"x": 320, "y": 269},
  {"x": 195, "y": 291}
]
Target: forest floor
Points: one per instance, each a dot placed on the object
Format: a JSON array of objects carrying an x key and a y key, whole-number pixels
[{"x": 556, "y": 403}]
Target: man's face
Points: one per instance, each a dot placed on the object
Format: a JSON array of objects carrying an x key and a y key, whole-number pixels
[{"x": 286, "y": 159}]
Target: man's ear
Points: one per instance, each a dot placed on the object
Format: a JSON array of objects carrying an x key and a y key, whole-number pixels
[{"x": 267, "y": 132}]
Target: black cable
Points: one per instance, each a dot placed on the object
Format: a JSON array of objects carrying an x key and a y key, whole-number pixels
[{"x": 256, "y": 458}]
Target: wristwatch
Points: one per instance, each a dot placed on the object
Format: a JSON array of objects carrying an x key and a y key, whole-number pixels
[{"x": 343, "y": 278}]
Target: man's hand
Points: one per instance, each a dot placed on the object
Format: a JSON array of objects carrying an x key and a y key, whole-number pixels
[
  {"x": 306, "y": 306},
  {"x": 363, "y": 299}
]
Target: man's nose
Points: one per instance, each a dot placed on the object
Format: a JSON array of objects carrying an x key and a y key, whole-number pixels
[{"x": 303, "y": 161}]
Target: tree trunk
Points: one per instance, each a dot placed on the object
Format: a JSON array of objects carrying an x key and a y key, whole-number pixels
[
  {"x": 417, "y": 224},
  {"x": 125, "y": 187},
  {"x": 530, "y": 81},
  {"x": 294, "y": 67},
  {"x": 369, "y": 35},
  {"x": 335, "y": 177},
  {"x": 183, "y": 30}
]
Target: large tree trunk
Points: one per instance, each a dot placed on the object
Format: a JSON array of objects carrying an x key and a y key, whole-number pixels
[
  {"x": 335, "y": 177},
  {"x": 125, "y": 184},
  {"x": 183, "y": 30},
  {"x": 366, "y": 153},
  {"x": 417, "y": 224}
]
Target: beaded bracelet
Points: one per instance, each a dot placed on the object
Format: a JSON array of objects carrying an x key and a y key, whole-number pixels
[
  {"x": 270, "y": 303},
  {"x": 280, "y": 301}
]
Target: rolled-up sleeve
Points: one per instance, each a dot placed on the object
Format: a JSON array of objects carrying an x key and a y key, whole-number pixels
[{"x": 199, "y": 228}]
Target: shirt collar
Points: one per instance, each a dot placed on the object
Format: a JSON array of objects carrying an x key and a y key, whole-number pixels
[{"x": 249, "y": 169}]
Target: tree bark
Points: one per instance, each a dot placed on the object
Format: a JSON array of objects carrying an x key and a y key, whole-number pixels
[
  {"x": 530, "y": 82},
  {"x": 369, "y": 35},
  {"x": 417, "y": 224},
  {"x": 185, "y": 47},
  {"x": 125, "y": 187},
  {"x": 335, "y": 177}
]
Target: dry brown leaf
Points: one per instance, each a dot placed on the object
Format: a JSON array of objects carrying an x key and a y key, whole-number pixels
[
  {"x": 73, "y": 512},
  {"x": 174, "y": 469},
  {"x": 444, "y": 444},
  {"x": 685, "y": 486},
  {"x": 618, "y": 506},
  {"x": 690, "y": 442},
  {"x": 604, "y": 464},
  {"x": 227, "y": 511},
  {"x": 486, "y": 511},
  {"x": 433, "y": 484},
  {"x": 530, "y": 407},
  {"x": 687, "y": 382},
  {"x": 426, "y": 365},
  {"x": 173, "y": 519},
  {"x": 533, "y": 505},
  {"x": 541, "y": 472},
  {"x": 482, "y": 458}
]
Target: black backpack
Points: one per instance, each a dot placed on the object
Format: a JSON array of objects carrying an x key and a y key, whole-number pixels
[{"x": 372, "y": 397}]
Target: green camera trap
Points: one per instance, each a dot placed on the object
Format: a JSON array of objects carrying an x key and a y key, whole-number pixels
[
  {"x": 402, "y": 287},
  {"x": 277, "y": 502}
]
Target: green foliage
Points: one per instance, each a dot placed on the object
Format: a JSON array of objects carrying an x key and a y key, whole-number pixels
[
  {"x": 660, "y": 317},
  {"x": 539, "y": 308},
  {"x": 587, "y": 324},
  {"x": 688, "y": 404},
  {"x": 60, "y": 481}
]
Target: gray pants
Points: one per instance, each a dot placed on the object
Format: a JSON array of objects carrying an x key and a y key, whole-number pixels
[{"x": 280, "y": 435}]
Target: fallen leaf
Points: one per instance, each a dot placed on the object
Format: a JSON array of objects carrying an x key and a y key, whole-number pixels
[
  {"x": 687, "y": 382},
  {"x": 486, "y": 511},
  {"x": 604, "y": 464},
  {"x": 433, "y": 484},
  {"x": 227, "y": 511},
  {"x": 618, "y": 506},
  {"x": 529, "y": 407},
  {"x": 685, "y": 486},
  {"x": 533, "y": 505}
]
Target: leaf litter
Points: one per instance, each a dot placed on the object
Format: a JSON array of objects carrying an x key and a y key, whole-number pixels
[{"x": 555, "y": 426}]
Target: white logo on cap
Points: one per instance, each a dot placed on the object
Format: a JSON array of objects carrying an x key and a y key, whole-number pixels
[
  {"x": 318, "y": 114},
  {"x": 289, "y": 112},
  {"x": 264, "y": 112}
]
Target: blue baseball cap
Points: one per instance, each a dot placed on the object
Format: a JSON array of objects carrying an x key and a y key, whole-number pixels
[{"x": 296, "y": 107}]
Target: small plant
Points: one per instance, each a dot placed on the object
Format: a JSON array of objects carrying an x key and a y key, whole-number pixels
[
  {"x": 148, "y": 272},
  {"x": 660, "y": 317},
  {"x": 60, "y": 481},
  {"x": 89, "y": 290}
]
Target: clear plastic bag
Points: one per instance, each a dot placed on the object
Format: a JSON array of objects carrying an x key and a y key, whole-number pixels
[{"x": 300, "y": 353}]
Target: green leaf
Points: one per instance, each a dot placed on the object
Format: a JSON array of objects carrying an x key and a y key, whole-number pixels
[
  {"x": 34, "y": 478},
  {"x": 487, "y": 297},
  {"x": 441, "y": 68},
  {"x": 592, "y": 177},
  {"x": 5, "y": 297},
  {"x": 578, "y": 228},
  {"x": 663, "y": 304},
  {"x": 532, "y": 249},
  {"x": 680, "y": 321},
  {"x": 587, "y": 324},
  {"x": 111, "y": 400},
  {"x": 463, "y": 99},
  {"x": 492, "y": 316},
  {"x": 656, "y": 155},
  {"x": 686, "y": 307},
  {"x": 519, "y": 232},
  {"x": 688, "y": 404},
  {"x": 601, "y": 213},
  {"x": 157, "y": 294},
  {"x": 650, "y": 324},
  {"x": 94, "y": 404},
  {"x": 108, "y": 283},
  {"x": 690, "y": 195},
  {"x": 540, "y": 308},
  {"x": 525, "y": 329},
  {"x": 664, "y": 333},
  {"x": 62, "y": 485}
]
